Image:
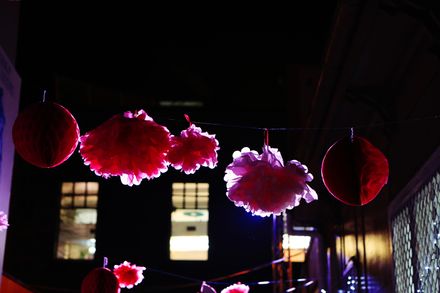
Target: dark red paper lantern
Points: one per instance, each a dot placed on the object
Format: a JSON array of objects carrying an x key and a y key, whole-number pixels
[
  {"x": 354, "y": 171},
  {"x": 100, "y": 280},
  {"x": 45, "y": 134}
]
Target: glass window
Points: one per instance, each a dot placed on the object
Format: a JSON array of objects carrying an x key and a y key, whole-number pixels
[
  {"x": 78, "y": 215},
  {"x": 189, "y": 222},
  {"x": 295, "y": 247}
]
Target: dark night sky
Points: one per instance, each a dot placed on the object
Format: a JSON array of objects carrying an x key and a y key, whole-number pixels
[{"x": 134, "y": 48}]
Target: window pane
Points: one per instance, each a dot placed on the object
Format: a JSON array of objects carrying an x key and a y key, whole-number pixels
[
  {"x": 189, "y": 221},
  {"x": 80, "y": 187},
  {"x": 86, "y": 216},
  {"x": 78, "y": 216},
  {"x": 79, "y": 201},
  {"x": 191, "y": 192},
  {"x": 178, "y": 186},
  {"x": 67, "y": 201},
  {"x": 189, "y": 247},
  {"x": 92, "y": 201},
  {"x": 178, "y": 201},
  {"x": 77, "y": 234},
  {"x": 189, "y": 239},
  {"x": 190, "y": 188},
  {"x": 202, "y": 202},
  {"x": 190, "y": 202},
  {"x": 67, "y": 188},
  {"x": 92, "y": 187},
  {"x": 203, "y": 193},
  {"x": 295, "y": 247},
  {"x": 203, "y": 187},
  {"x": 190, "y": 216},
  {"x": 76, "y": 238}
]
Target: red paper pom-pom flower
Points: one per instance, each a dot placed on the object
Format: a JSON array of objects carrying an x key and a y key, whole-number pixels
[
  {"x": 128, "y": 275},
  {"x": 131, "y": 146},
  {"x": 192, "y": 149},
  {"x": 354, "y": 171},
  {"x": 100, "y": 280},
  {"x": 45, "y": 134},
  {"x": 263, "y": 185},
  {"x": 236, "y": 288}
]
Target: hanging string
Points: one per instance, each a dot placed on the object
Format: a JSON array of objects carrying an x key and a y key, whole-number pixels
[
  {"x": 300, "y": 283},
  {"x": 266, "y": 137},
  {"x": 214, "y": 281},
  {"x": 243, "y": 272},
  {"x": 382, "y": 124},
  {"x": 188, "y": 119},
  {"x": 175, "y": 275}
]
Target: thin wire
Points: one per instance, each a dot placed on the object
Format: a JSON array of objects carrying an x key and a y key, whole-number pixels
[
  {"x": 301, "y": 283},
  {"x": 382, "y": 124},
  {"x": 266, "y": 136},
  {"x": 174, "y": 275},
  {"x": 214, "y": 280},
  {"x": 243, "y": 272}
]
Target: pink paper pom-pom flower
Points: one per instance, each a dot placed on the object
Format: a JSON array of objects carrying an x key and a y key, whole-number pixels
[
  {"x": 131, "y": 146},
  {"x": 128, "y": 275},
  {"x": 3, "y": 221},
  {"x": 236, "y": 288},
  {"x": 192, "y": 149},
  {"x": 263, "y": 185}
]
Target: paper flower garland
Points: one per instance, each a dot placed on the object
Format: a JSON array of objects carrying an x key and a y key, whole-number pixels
[
  {"x": 131, "y": 146},
  {"x": 192, "y": 149},
  {"x": 128, "y": 275},
  {"x": 236, "y": 288},
  {"x": 263, "y": 185},
  {"x": 100, "y": 280},
  {"x": 45, "y": 134},
  {"x": 354, "y": 171},
  {"x": 3, "y": 221}
]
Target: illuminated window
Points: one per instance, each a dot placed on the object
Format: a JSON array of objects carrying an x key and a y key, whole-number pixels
[
  {"x": 295, "y": 247},
  {"x": 78, "y": 214},
  {"x": 189, "y": 222}
]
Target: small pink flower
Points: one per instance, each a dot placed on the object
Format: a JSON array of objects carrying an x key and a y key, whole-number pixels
[
  {"x": 192, "y": 149},
  {"x": 128, "y": 275}
]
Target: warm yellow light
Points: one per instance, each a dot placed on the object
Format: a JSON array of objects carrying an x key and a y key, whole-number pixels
[
  {"x": 296, "y": 242},
  {"x": 189, "y": 243}
]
